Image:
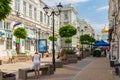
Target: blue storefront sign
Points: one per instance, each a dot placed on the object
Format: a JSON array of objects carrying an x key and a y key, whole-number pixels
[{"x": 42, "y": 45}]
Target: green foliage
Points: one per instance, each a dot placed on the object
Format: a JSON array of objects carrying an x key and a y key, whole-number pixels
[
  {"x": 96, "y": 41},
  {"x": 97, "y": 53},
  {"x": 69, "y": 51},
  {"x": 5, "y": 8},
  {"x": 67, "y": 31},
  {"x": 51, "y": 38},
  {"x": 86, "y": 39},
  {"x": 26, "y": 51},
  {"x": 68, "y": 40},
  {"x": 20, "y": 33}
]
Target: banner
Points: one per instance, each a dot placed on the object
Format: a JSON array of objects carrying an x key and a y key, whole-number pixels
[{"x": 42, "y": 45}]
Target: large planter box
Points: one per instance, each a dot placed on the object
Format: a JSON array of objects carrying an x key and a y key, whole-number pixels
[
  {"x": 21, "y": 57},
  {"x": 9, "y": 78},
  {"x": 5, "y": 76},
  {"x": 72, "y": 58},
  {"x": 58, "y": 64}
]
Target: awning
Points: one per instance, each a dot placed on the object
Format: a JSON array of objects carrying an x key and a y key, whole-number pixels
[
  {"x": 2, "y": 32},
  {"x": 101, "y": 43}
]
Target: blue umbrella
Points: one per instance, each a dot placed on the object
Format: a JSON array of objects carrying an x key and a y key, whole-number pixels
[{"x": 101, "y": 43}]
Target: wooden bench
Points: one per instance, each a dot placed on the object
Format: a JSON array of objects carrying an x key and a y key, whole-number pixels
[{"x": 23, "y": 72}]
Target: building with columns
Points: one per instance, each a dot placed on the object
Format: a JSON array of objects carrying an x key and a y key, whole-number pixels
[
  {"x": 70, "y": 16},
  {"x": 32, "y": 16}
]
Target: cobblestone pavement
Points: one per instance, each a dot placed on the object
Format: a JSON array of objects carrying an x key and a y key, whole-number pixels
[
  {"x": 87, "y": 69},
  {"x": 68, "y": 71}
]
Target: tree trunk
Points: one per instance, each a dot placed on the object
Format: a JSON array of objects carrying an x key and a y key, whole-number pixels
[{"x": 18, "y": 47}]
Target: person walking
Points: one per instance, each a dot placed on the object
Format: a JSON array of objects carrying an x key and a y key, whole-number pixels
[
  {"x": 108, "y": 54},
  {"x": 36, "y": 64}
]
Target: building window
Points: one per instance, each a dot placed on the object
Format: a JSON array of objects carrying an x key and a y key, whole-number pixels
[
  {"x": 48, "y": 20},
  {"x": 41, "y": 16},
  {"x": 1, "y": 25},
  {"x": 7, "y": 26},
  {"x": 9, "y": 43},
  {"x": 24, "y": 8},
  {"x": 27, "y": 44},
  {"x": 2, "y": 41},
  {"x": 66, "y": 15},
  {"x": 30, "y": 11},
  {"x": 44, "y": 18},
  {"x": 17, "y": 5},
  {"x": 35, "y": 13}
]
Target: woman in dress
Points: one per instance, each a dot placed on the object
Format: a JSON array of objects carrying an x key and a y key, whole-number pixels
[{"x": 36, "y": 64}]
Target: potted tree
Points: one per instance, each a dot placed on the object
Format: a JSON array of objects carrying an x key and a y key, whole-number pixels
[
  {"x": 68, "y": 41},
  {"x": 20, "y": 33},
  {"x": 67, "y": 32},
  {"x": 88, "y": 40}
]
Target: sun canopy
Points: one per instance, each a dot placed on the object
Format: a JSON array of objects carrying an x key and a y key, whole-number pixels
[{"x": 101, "y": 43}]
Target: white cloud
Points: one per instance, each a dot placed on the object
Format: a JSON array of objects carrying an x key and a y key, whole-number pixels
[
  {"x": 54, "y": 2},
  {"x": 103, "y": 8}
]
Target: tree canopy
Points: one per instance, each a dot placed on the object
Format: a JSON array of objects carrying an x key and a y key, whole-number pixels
[
  {"x": 51, "y": 38},
  {"x": 20, "y": 33},
  {"x": 67, "y": 31},
  {"x": 5, "y": 8},
  {"x": 86, "y": 39}
]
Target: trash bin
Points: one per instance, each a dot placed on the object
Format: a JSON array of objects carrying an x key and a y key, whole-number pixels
[
  {"x": 111, "y": 63},
  {"x": 117, "y": 68}
]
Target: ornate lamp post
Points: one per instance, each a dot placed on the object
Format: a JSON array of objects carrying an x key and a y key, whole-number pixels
[
  {"x": 82, "y": 35},
  {"x": 53, "y": 13}
]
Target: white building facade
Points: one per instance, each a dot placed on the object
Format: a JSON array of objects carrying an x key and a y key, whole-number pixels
[
  {"x": 70, "y": 16},
  {"x": 32, "y": 16}
]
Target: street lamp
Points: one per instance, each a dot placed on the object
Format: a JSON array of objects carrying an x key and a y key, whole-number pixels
[
  {"x": 82, "y": 35},
  {"x": 37, "y": 37},
  {"x": 53, "y": 13}
]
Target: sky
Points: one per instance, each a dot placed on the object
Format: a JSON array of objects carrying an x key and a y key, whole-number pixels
[{"x": 95, "y": 12}]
